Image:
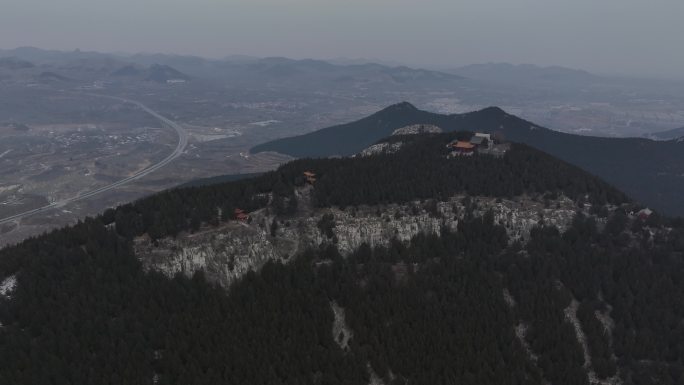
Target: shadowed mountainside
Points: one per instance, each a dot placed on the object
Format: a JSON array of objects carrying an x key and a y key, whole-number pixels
[{"x": 676, "y": 133}]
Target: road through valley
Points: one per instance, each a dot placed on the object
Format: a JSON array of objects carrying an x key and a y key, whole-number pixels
[{"x": 180, "y": 147}]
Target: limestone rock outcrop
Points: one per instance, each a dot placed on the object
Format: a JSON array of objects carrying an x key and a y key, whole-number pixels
[{"x": 227, "y": 252}]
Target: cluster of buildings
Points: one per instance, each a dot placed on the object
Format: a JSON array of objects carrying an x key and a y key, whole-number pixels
[{"x": 480, "y": 143}]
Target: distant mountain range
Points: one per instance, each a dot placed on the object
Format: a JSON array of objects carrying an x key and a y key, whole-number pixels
[
  {"x": 235, "y": 70},
  {"x": 160, "y": 73},
  {"x": 649, "y": 171},
  {"x": 54, "y": 66},
  {"x": 13, "y": 63},
  {"x": 297, "y": 74},
  {"x": 524, "y": 73},
  {"x": 676, "y": 133},
  {"x": 248, "y": 68}
]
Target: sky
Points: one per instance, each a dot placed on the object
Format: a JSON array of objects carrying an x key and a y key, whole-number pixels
[{"x": 630, "y": 37}]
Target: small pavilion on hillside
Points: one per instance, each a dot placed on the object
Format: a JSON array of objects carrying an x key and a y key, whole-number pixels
[
  {"x": 241, "y": 215},
  {"x": 310, "y": 177},
  {"x": 463, "y": 148}
]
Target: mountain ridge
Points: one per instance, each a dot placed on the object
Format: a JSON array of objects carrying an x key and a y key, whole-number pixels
[
  {"x": 413, "y": 267},
  {"x": 350, "y": 138},
  {"x": 675, "y": 133},
  {"x": 647, "y": 170},
  {"x": 238, "y": 69}
]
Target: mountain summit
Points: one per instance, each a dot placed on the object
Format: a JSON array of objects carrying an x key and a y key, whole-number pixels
[
  {"x": 350, "y": 138},
  {"x": 649, "y": 171},
  {"x": 403, "y": 106}
]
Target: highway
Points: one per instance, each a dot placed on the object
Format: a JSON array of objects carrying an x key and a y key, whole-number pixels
[{"x": 180, "y": 147}]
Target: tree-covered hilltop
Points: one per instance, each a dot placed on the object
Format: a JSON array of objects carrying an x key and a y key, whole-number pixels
[
  {"x": 350, "y": 138},
  {"x": 420, "y": 170},
  {"x": 647, "y": 170},
  {"x": 443, "y": 308}
]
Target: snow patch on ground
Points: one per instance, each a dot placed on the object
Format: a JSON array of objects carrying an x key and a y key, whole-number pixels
[
  {"x": 340, "y": 330},
  {"x": 571, "y": 316},
  {"x": 608, "y": 324},
  {"x": 521, "y": 332},
  {"x": 606, "y": 320},
  {"x": 7, "y": 286},
  {"x": 510, "y": 301},
  {"x": 374, "y": 378}
]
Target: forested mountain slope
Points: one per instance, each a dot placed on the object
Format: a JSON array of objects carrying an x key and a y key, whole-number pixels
[
  {"x": 350, "y": 138},
  {"x": 598, "y": 300},
  {"x": 649, "y": 171}
]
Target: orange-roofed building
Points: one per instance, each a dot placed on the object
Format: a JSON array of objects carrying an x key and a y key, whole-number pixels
[
  {"x": 310, "y": 177},
  {"x": 240, "y": 215},
  {"x": 464, "y": 146}
]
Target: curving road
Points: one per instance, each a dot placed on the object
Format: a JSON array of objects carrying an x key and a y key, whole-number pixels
[{"x": 180, "y": 147}]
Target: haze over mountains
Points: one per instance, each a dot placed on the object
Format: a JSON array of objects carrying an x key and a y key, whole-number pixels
[
  {"x": 527, "y": 74},
  {"x": 537, "y": 264},
  {"x": 235, "y": 69},
  {"x": 496, "y": 200},
  {"x": 230, "y": 105},
  {"x": 564, "y": 99}
]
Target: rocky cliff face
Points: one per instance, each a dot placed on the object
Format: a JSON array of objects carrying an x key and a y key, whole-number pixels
[
  {"x": 224, "y": 254},
  {"x": 418, "y": 129},
  {"x": 7, "y": 286},
  {"x": 381, "y": 148},
  {"x": 390, "y": 148},
  {"x": 227, "y": 252}
]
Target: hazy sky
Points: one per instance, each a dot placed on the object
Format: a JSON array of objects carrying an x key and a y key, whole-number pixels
[{"x": 623, "y": 36}]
